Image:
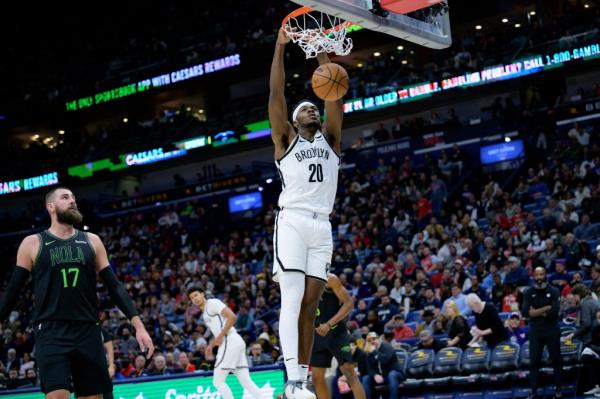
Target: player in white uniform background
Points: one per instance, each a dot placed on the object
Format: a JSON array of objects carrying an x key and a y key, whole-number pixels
[
  {"x": 231, "y": 356},
  {"x": 306, "y": 155}
]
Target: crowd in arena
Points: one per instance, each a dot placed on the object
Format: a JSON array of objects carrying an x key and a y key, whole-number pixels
[
  {"x": 469, "y": 52},
  {"x": 413, "y": 237}
]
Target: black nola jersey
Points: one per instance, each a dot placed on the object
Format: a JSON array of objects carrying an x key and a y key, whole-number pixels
[{"x": 64, "y": 279}]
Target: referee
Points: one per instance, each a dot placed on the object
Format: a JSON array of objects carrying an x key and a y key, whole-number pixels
[
  {"x": 541, "y": 305},
  {"x": 332, "y": 339}
]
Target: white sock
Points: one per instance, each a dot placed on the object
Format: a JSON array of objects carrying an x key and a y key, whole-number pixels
[
  {"x": 303, "y": 370},
  {"x": 291, "y": 366},
  {"x": 292, "y": 291}
]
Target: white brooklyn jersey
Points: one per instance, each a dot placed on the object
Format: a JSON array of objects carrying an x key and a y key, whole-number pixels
[
  {"x": 213, "y": 318},
  {"x": 309, "y": 175}
]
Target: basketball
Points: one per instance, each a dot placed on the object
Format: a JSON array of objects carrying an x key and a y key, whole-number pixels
[{"x": 330, "y": 82}]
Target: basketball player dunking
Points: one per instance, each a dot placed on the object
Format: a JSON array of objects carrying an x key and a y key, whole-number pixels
[
  {"x": 306, "y": 155},
  {"x": 64, "y": 263}
]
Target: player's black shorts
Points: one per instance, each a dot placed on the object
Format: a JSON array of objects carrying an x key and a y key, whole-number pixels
[
  {"x": 335, "y": 344},
  {"x": 70, "y": 355}
]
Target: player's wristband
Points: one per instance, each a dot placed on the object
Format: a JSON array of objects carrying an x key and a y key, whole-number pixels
[
  {"x": 118, "y": 293},
  {"x": 11, "y": 295}
]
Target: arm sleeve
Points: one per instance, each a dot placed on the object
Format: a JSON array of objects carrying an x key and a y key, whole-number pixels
[
  {"x": 11, "y": 295},
  {"x": 118, "y": 293}
]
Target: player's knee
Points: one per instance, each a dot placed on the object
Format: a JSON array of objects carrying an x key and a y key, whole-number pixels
[{"x": 348, "y": 371}]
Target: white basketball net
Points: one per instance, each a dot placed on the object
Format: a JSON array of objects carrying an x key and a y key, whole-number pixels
[{"x": 319, "y": 34}]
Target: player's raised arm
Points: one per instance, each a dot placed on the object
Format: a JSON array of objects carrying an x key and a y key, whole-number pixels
[
  {"x": 280, "y": 127},
  {"x": 25, "y": 258},
  {"x": 120, "y": 296},
  {"x": 334, "y": 115}
]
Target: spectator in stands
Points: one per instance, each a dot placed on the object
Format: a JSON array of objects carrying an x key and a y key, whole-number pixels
[
  {"x": 383, "y": 367},
  {"x": 516, "y": 332},
  {"x": 438, "y": 325},
  {"x": 457, "y": 327},
  {"x": 428, "y": 301},
  {"x": 428, "y": 341},
  {"x": 381, "y": 134},
  {"x": 585, "y": 231},
  {"x": 459, "y": 300},
  {"x": 428, "y": 318},
  {"x": 548, "y": 255},
  {"x": 588, "y": 308},
  {"x": 160, "y": 366},
  {"x": 360, "y": 315},
  {"x": 595, "y": 277},
  {"x": 14, "y": 381},
  {"x": 27, "y": 363},
  {"x": 184, "y": 363},
  {"x": 541, "y": 305},
  {"x": 245, "y": 321},
  {"x": 561, "y": 277},
  {"x": 128, "y": 342},
  {"x": 438, "y": 194},
  {"x": 488, "y": 326},
  {"x": 140, "y": 368},
  {"x": 579, "y": 134},
  {"x": 12, "y": 361},
  {"x": 31, "y": 377},
  {"x": 257, "y": 357},
  {"x": 386, "y": 310},
  {"x": 590, "y": 359},
  {"x": 474, "y": 287},
  {"x": 517, "y": 275},
  {"x": 400, "y": 329},
  {"x": 396, "y": 291},
  {"x": 457, "y": 159}
]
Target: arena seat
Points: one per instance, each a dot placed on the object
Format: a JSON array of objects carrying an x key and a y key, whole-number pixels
[
  {"x": 403, "y": 357},
  {"x": 503, "y": 361},
  {"x": 420, "y": 365},
  {"x": 474, "y": 362},
  {"x": 447, "y": 363},
  {"x": 571, "y": 355}
]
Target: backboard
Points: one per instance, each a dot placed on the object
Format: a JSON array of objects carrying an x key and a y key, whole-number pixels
[{"x": 429, "y": 27}]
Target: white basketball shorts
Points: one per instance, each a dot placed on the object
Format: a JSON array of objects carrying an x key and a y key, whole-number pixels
[
  {"x": 302, "y": 243},
  {"x": 232, "y": 353}
]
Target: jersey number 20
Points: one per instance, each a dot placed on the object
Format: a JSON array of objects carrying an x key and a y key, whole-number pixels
[{"x": 316, "y": 172}]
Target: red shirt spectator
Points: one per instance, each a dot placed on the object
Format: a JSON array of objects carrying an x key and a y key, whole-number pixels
[
  {"x": 401, "y": 330},
  {"x": 423, "y": 207}
]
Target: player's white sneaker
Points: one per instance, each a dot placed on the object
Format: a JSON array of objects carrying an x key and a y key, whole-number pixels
[
  {"x": 593, "y": 391},
  {"x": 298, "y": 390}
]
